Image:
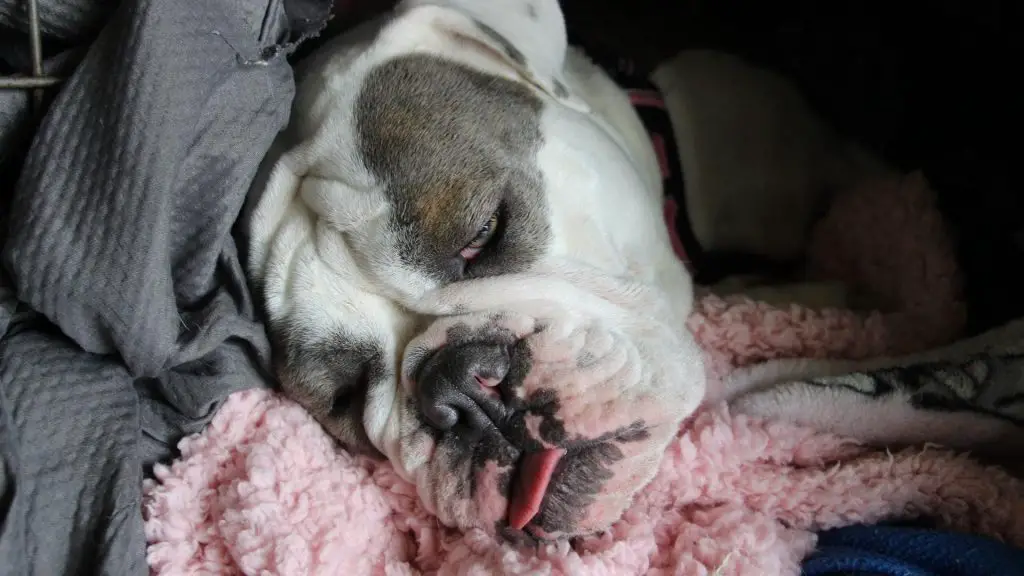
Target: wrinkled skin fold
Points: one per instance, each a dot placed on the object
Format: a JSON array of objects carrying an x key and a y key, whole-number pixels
[{"x": 605, "y": 389}]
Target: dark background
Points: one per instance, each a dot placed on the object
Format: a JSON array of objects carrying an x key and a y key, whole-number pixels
[{"x": 928, "y": 85}]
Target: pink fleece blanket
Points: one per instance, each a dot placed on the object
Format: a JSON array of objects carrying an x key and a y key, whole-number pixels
[{"x": 264, "y": 491}]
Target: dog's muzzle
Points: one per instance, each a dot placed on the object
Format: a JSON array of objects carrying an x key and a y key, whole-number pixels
[{"x": 543, "y": 423}]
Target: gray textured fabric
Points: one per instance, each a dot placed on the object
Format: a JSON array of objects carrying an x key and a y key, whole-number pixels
[
  {"x": 64, "y": 20},
  {"x": 126, "y": 318}
]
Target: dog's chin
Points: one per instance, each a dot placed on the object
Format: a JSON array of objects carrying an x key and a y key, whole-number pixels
[
  {"x": 463, "y": 480},
  {"x": 471, "y": 483}
]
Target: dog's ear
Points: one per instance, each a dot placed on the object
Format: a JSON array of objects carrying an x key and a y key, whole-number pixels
[{"x": 528, "y": 36}]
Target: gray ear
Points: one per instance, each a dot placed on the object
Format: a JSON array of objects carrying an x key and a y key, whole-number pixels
[{"x": 528, "y": 35}]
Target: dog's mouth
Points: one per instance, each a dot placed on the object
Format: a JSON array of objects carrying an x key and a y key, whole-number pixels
[
  {"x": 531, "y": 486},
  {"x": 553, "y": 487},
  {"x": 522, "y": 487}
]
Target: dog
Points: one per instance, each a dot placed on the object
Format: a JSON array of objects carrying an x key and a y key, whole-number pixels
[{"x": 459, "y": 242}]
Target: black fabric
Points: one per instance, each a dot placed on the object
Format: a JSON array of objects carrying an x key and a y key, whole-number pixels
[{"x": 927, "y": 85}]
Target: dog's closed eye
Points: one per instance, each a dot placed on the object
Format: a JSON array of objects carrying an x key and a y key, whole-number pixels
[{"x": 481, "y": 240}]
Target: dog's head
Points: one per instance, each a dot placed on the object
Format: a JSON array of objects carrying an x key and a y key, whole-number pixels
[{"x": 434, "y": 147}]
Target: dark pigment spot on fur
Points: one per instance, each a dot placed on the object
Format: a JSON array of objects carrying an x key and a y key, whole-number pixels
[
  {"x": 576, "y": 482},
  {"x": 560, "y": 90},
  {"x": 304, "y": 362},
  {"x": 511, "y": 51}
]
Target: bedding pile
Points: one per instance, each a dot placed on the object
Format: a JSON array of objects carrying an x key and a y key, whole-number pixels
[
  {"x": 125, "y": 320},
  {"x": 264, "y": 491}
]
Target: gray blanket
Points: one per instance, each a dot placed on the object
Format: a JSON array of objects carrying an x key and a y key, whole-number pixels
[{"x": 124, "y": 314}]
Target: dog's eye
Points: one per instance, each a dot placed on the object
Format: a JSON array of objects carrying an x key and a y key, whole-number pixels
[{"x": 473, "y": 249}]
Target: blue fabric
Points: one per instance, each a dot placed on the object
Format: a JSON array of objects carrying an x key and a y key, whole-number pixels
[{"x": 910, "y": 551}]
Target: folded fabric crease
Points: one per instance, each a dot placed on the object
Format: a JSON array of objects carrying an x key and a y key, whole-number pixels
[{"x": 125, "y": 319}]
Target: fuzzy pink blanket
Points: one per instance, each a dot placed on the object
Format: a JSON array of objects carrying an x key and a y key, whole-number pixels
[{"x": 264, "y": 491}]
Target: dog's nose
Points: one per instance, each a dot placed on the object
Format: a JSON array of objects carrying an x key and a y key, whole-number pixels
[{"x": 460, "y": 384}]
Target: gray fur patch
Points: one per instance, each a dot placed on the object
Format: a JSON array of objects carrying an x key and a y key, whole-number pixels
[
  {"x": 330, "y": 375},
  {"x": 453, "y": 146}
]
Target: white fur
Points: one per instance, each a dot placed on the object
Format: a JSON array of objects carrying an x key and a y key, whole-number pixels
[{"x": 606, "y": 194}]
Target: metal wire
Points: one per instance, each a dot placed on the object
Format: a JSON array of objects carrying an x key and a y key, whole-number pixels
[
  {"x": 37, "y": 81},
  {"x": 27, "y": 82}
]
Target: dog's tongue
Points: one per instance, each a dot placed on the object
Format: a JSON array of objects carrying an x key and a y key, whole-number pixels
[{"x": 535, "y": 470}]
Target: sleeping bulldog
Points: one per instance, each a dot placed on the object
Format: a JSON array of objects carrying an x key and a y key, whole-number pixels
[{"x": 460, "y": 243}]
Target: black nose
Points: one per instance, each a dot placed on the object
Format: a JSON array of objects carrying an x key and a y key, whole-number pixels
[{"x": 460, "y": 384}]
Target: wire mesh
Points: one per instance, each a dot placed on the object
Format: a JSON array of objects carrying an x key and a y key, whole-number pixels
[{"x": 36, "y": 81}]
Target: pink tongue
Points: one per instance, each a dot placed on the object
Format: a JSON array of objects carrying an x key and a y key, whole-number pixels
[{"x": 531, "y": 484}]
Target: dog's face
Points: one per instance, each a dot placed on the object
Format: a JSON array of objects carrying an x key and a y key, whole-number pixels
[{"x": 448, "y": 250}]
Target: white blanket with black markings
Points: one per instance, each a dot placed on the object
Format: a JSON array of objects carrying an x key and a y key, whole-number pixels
[{"x": 968, "y": 396}]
